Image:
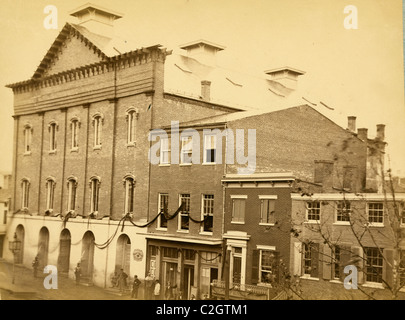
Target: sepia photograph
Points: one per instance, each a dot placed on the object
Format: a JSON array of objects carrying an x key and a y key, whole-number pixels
[{"x": 219, "y": 151}]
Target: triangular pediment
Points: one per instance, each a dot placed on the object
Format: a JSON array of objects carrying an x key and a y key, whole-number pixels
[{"x": 71, "y": 49}]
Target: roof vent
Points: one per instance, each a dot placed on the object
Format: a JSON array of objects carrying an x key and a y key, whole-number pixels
[
  {"x": 96, "y": 19},
  {"x": 286, "y": 76},
  {"x": 203, "y": 51}
]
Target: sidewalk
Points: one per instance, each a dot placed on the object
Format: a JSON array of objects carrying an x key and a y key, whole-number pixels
[{"x": 26, "y": 287}]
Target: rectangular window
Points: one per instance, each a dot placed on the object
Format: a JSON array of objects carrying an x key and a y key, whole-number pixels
[
  {"x": 71, "y": 195},
  {"x": 313, "y": 211},
  {"x": 165, "y": 151},
  {"x": 268, "y": 266},
  {"x": 343, "y": 211},
  {"x": 238, "y": 210},
  {"x": 163, "y": 205},
  {"x": 210, "y": 145},
  {"x": 170, "y": 252},
  {"x": 189, "y": 254},
  {"x": 310, "y": 259},
  {"x": 208, "y": 212},
  {"x": 267, "y": 209},
  {"x": 186, "y": 150},
  {"x": 129, "y": 195},
  {"x": 75, "y": 134},
  {"x": 184, "y": 219},
  {"x": 376, "y": 212},
  {"x": 374, "y": 264}
]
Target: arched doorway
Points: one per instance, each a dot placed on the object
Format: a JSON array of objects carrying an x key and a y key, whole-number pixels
[
  {"x": 20, "y": 232},
  {"x": 123, "y": 254},
  {"x": 87, "y": 257},
  {"x": 64, "y": 251},
  {"x": 43, "y": 244}
]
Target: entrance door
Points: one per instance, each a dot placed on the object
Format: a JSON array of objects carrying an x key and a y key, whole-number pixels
[
  {"x": 123, "y": 254},
  {"x": 64, "y": 251},
  {"x": 170, "y": 274},
  {"x": 43, "y": 244},
  {"x": 237, "y": 269},
  {"x": 188, "y": 281},
  {"x": 87, "y": 256}
]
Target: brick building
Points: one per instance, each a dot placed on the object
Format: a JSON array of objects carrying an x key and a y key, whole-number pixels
[{"x": 130, "y": 172}]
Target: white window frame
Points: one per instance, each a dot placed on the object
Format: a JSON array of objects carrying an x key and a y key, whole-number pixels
[
  {"x": 25, "y": 193},
  {"x": 204, "y": 210},
  {"x": 94, "y": 194},
  {"x": 160, "y": 208},
  {"x": 375, "y": 224},
  {"x": 238, "y": 197},
  {"x": 98, "y": 121},
  {"x": 165, "y": 151},
  {"x": 338, "y": 209},
  {"x": 232, "y": 244},
  {"x": 132, "y": 116},
  {"x": 263, "y": 198},
  {"x": 72, "y": 194},
  {"x": 129, "y": 184},
  {"x": 74, "y": 128},
  {"x": 214, "y": 140},
  {"x": 186, "y": 150},
  {"x": 181, "y": 214},
  {"x": 261, "y": 249},
  {"x": 27, "y": 139},
  {"x": 50, "y": 194},
  {"x": 308, "y": 206}
]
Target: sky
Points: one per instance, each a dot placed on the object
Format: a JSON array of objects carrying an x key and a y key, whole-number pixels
[{"x": 359, "y": 72}]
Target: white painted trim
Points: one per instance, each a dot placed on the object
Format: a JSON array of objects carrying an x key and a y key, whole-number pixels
[
  {"x": 238, "y": 196},
  {"x": 264, "y": 247},
  {"x": 268, "y": 197},
  {"x": 348, "y": 196}
]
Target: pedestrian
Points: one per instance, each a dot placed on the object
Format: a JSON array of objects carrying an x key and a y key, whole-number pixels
[
  {"x": 169, "y": 291},
  {"x": 135, "y": 287},
  {"x": 78, "y": 273},
  {"x": 122, "y": 280},
  {"x": 35, "y": 265},
  {"x": 156, "y": 291},
  {"x": 149, "y": 286}
]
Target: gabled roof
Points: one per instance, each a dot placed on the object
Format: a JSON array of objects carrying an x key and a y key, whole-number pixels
[{"x": 93, "y": 41}]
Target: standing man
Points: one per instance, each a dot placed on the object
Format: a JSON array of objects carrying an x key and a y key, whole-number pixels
[
  {"x": 157, "y": 290},
  {"x": 135, "y": 287},
  {"x": 35, "y": 265},
  {"x": 78, "y": 273}
]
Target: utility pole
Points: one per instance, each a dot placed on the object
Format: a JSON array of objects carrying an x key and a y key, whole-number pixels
[{"x": 226, "y": 274}]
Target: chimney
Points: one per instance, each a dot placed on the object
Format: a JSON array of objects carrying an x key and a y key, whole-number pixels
[
  {"x": 324, "y": 174},
  {"x": 203, "y": 51},
  {"x": 286, "y": 76},
  {"x": 362, "y": 134},
  {"x": 351, "y": 123},
  {"x": 380, "y": 132},
  {"x": 96, "y": 19},
  {"x": 205, "y": 90}
]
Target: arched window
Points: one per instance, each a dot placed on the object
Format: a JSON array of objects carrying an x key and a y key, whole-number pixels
[
  {"x": 53, "y": 127},
  {"x": 50, "y": 193},
  {"x": 129, "y": 183},
  {"x": 74, "y": 127},
  {"x": 98, "y": 120},
  {"x": 132, "y": 116},
  {"x": 25, "y": 193},
  {"x": 27, "y": 138},
  {"x": 71, "y": 187},
  {"x": 94, "y": 194}
]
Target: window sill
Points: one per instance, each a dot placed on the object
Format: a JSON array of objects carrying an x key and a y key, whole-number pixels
[
  {"x": 27, "y": 153},
  {"x": 74, "y": 150},
  {"x": 306, "y": 277},
  {"x": 161, "y": 229},
  {"x": 375, "y": 225},
  {"x": 183, "y": 231},
  {"x": 335, "y": 281},
  {"x": 237, "y": 222},
  {"x": 209, "y": 163},
  {"x": 131, "y": 144},
  {"x": 375, "y": 285},
  {"x": 97, "y": 148},
  {"x": 52, "y": 152},
  {"x": 164, "y": 164},
  {"x": 185, "y": 164},
  {"x": 341, "y": 223},
  {"x": 312, "y": 222},
  {"x": 266, "y": 224}
]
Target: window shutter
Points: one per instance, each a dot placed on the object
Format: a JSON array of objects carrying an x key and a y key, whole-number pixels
[
  {"x": 297, "y": 258},
  {"x": 315, "y": 260},
  {"x": 358, "y": 260},
  {"x": 327, "y": 263},
  {"x": 345, "y": 255},
  {"x": 255, "y": 266},
  {"x": 388, "y": 279}
]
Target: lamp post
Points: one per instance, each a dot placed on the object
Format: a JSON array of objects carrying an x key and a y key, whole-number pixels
[{"x": 15, "y": 247}]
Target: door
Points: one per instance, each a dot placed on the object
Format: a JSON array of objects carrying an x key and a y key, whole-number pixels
[
  {"x": 64, "y": 251},
  {"x": 87, "y": 256},
  {"x": 188, "y": 281},
  {"x": 43, "y": 244},
  {"x": 123, "y": 254}
]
